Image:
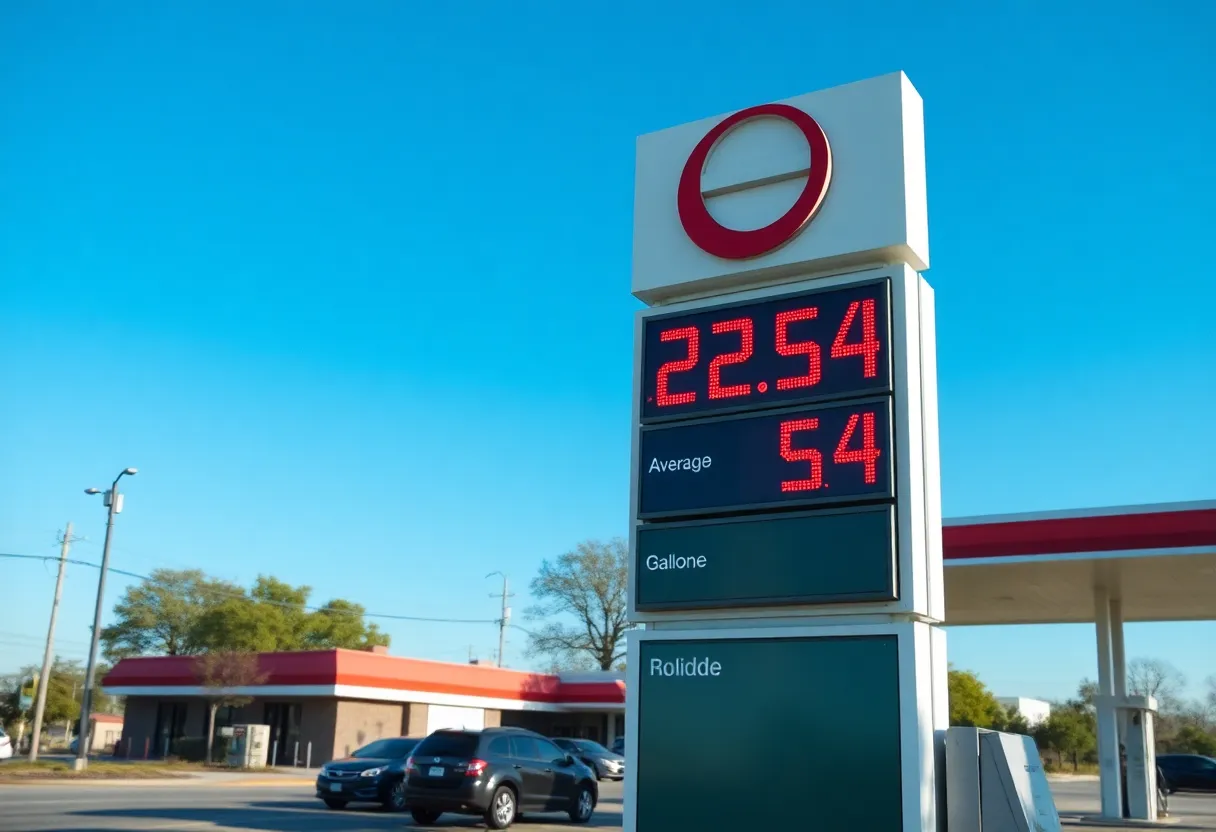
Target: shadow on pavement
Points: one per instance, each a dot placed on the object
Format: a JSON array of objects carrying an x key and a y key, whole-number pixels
[
  {"x": 1077, "y": 820},
  {"x": 296, "y": 816}
]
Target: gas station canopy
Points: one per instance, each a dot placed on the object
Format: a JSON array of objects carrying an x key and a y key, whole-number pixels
[{"x": 1043, "y": 568}]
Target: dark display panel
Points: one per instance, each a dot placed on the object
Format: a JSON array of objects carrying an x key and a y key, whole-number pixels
[
  {"x": 829, "y": 556},
  {"x": 808, "y": 725},
  {"x": 832, "y": 453}
]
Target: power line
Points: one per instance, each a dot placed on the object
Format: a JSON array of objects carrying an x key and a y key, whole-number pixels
[{"x": 286, "y": 604}]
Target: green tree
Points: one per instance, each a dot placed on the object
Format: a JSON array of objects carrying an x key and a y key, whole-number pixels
[
  {"x": 63, "y": 692},
  {"x": 271, "y": 617},
  {"x": 1191, "y": 739},
  {"x": 971, "y": 703},
  {"x": 160, "y": 615},
  {"x": 588, "y": 586},
  {"x": 1069, "y": 731},
  {"x": 340, "y": 624},
  {"x": 1015, "y": 722},
  {"x": 188, "y": 613}
]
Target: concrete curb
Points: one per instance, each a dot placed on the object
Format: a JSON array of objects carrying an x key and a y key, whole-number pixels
[
  {"x": 1087, "y": 820},
  {"x": 189, "y": 781}
]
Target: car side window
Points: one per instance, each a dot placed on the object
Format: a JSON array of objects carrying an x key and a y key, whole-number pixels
[
  {"x": 524, "y": 748},
  {"x": 550, "y": 752},
  {"x": 499, "y": 747}
]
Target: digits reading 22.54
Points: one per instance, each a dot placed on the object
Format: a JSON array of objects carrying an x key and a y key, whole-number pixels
[{"x": 798, "y": 336}]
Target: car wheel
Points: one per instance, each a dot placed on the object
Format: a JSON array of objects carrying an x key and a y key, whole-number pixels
[
  {"x": 425, "y": 817},
  {"x": 335, "y": 804},
  {"x": 394, "y": 801},
  {"x": 501, "y": 813},
  {"x": 583, "y": 806}
]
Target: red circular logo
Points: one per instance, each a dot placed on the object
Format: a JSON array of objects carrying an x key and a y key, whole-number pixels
[{"x": 713, "y": 237}]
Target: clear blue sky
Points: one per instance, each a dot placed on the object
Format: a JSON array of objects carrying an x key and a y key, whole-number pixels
[{"x": 349, "y": 282}]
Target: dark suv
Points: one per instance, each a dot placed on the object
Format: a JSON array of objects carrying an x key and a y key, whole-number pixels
[{"x": 497, "y": 773}]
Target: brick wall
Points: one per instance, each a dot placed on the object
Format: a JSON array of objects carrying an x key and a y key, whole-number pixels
[
  {"x": 139, "y": 721},
  {"x": 318, "y": 718},
  {"x": 413, "y": 719},
  {"x": 359, "y": 722}
]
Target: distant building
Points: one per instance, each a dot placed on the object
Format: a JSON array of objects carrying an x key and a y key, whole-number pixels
[
  {"x": 324, "y": 704},
  {"x": 1035, "y": 710}
]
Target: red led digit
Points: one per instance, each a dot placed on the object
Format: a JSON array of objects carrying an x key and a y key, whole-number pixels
[
  {"x": 689, "y": 334},
  {"x": 867, "y": 454},
  {"x": 789, "y": 454},
  {"x": 745, "y": 329},
  {"x": 808, "y": 348},
  {"x": 869, "y": 345}
]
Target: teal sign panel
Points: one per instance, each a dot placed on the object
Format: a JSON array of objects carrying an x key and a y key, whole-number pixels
[
  {"x": 846, "y": 555},
  {"x": 753, "y": 734}
]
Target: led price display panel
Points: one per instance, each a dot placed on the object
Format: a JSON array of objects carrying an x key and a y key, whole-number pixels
[
  {"x": 812, "y": 346},
  {"x": 810, "y": 455}
]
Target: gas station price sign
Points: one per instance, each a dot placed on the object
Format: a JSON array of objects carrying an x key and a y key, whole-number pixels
[
  {"x": 810, "y": 346},
  {"x": 825, "y": 454}
]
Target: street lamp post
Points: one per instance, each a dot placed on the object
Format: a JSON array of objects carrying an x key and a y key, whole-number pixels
[{"x": 113, "y": 500}]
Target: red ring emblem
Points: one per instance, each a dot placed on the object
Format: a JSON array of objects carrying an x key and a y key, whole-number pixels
[{"x": 713, "y": 237}]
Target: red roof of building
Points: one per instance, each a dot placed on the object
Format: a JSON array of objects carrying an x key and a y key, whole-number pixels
[
  {"x": 357, "y": 668},
  {"x": 1158, "y": 528},
  {"x": 116, "y": 719}
]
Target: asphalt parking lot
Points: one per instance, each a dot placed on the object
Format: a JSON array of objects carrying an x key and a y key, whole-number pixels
[
  {"x": 231, "y": 808},
  {"x": 1076, "y": 799},
  {"x": 291, "y": 808}
]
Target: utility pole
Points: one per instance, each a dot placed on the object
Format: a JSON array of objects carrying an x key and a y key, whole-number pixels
[
  {"x": 44, "y": 681},
  {"x": 505, "y": 620}
]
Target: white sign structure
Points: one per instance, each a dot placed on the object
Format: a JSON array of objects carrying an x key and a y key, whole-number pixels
[
  {"x": 748, "y": 225},
  {"x": 874, "y": 210}
]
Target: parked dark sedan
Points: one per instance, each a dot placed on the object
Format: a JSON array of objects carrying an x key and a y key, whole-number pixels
[
  {"x": 607, "y": 765},
  {"x": 373, "y": 774},
  {"x": 1188, "y": 772}
]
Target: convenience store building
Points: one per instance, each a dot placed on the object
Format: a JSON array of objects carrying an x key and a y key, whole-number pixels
[{"x": 324, "y": 704}]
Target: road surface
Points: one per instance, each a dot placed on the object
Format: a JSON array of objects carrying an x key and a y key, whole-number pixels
[
  {"x": 229, "y": 808},
  {"x": 258, "y": 807}
]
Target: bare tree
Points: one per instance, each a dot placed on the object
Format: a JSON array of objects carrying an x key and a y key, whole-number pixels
[
  {"x": 221, "y": 674},
  {"x": 588, "y": 585},
  {"x": 1157, "y": 678}
]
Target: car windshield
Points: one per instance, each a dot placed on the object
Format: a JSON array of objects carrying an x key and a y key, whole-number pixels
[
  {"x": 393, "y": 749},
  {"x": 448, "y": 744},
  {"x": 591, "y": 746}
]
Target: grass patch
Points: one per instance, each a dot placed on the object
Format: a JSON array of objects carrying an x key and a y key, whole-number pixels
[
  {"x": 16, "y": 771},
  {"x": 1067, "y": 768},
  {"x": 97, "y": 770}
]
